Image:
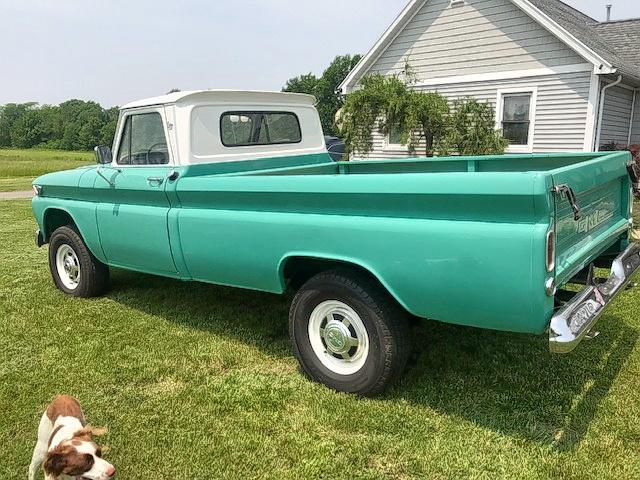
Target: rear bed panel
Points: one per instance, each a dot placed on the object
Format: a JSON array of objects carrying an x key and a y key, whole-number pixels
[{"x": 601, "y": 187}]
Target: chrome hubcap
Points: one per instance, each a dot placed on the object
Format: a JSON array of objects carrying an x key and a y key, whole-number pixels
[
  {"x": 68, "y": 266},
  {"x": 338, "y": 337}
]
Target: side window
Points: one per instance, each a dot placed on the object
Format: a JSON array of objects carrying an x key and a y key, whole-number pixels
[
  {"x": 143, "y": 141},
  {"x": 242, "y": 129}
]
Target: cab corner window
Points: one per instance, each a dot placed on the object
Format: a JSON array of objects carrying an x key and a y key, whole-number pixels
[
  {"x": 243, "y": 129},
  {"x": 143, "y": 141}
]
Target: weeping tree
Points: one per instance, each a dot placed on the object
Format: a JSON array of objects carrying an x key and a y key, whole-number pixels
[
  {"x": 472, "y": 130},
  {"x": 392, "y": 104},
  {"x": 389, "y": 104}
]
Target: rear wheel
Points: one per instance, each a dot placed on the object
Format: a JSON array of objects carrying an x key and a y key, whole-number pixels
[
  {"x": 348, "y": 334},
  {"x": 73, "y": 267}
]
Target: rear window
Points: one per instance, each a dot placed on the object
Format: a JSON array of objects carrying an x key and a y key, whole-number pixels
[{"x": 242, "y": 129}]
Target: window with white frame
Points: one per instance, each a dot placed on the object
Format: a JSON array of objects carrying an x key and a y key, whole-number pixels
[
  {"x": 515, "y": 117},
  {"x": 394, "y": 140}
]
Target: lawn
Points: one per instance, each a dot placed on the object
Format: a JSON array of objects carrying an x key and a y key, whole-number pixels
[
  {"x": 198, "y": 382},
  {"x": 18, "y": 168}
]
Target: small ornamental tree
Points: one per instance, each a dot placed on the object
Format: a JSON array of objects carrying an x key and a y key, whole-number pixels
[
  {"x": 389, "y": 104},
  {"x": 472, "y": 130}
]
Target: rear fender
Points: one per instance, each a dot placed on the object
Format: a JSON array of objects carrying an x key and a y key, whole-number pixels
[{"x": 336, "y": 262}]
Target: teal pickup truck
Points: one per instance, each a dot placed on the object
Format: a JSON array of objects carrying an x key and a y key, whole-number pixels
[{"x": 237, "y": 189}]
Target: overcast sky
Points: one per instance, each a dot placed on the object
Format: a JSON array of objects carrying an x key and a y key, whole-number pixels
[{"x": 120, "y": 50}]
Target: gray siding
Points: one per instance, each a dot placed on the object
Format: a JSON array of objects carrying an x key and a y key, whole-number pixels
[
  {"x": 616, "y": 115},
  {"x": 561, "y": 110},
  {"x": 635, "y": 132},
  {"x": 481, "y": 36}
]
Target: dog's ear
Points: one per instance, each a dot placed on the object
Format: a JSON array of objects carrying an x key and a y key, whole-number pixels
[{"x": 55, "y": 463}]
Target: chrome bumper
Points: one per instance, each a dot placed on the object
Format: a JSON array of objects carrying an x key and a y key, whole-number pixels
[{"x": 576, "y": 318}]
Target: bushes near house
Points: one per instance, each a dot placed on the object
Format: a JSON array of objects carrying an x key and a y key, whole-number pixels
[{"x": 390, "y": 104}]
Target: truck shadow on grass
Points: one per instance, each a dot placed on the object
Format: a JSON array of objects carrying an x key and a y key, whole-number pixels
[
  {"x": 505, "y": 382},
  {"x": 510, "y": 383}
]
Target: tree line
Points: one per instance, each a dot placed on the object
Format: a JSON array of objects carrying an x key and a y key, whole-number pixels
[{"x": 72, "y": 125}]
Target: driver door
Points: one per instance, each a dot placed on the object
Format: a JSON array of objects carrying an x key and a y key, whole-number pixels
[{"x": 133, "y": 207}]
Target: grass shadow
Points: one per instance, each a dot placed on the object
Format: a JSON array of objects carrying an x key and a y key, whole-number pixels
[
  {"x": 508, "y": 383},
  {"x": 256, "y": 318}
]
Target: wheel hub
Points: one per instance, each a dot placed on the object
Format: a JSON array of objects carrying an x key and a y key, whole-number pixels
[{"x": 336, "y": 336}]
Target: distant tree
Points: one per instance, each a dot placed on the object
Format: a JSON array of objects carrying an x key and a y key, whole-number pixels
[
  {"x": 173, "y": 90},
  {"x": 9, "y": 114},
  {"x": 27, "y": 131},
  {"x": 472, "y": 130},
  {"x": 302, "y": 84},
  {"x": 325, "y": 89}
]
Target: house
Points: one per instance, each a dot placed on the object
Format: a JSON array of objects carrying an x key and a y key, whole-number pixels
[{"x": 558, "y": 79}]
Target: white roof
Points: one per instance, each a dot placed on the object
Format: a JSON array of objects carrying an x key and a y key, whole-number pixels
[{"x": 244, "y": 96}]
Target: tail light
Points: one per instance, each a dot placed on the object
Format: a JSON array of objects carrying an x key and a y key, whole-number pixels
[{"x": 551, "y": 250}]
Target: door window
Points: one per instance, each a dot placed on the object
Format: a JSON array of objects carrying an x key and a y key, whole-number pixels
[{"x": 143, "y": 141}]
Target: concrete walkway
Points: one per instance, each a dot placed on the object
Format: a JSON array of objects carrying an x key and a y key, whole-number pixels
[{"x": 16, "y": 195}]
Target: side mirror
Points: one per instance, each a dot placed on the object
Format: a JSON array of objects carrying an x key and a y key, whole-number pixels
[{"x": 103, "y": 154}]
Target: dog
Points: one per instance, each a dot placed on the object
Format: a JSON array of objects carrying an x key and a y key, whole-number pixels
[{"x": 65, "y": 445}]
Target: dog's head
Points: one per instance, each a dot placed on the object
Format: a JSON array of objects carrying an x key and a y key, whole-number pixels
[{"x": 79, "y": 457}]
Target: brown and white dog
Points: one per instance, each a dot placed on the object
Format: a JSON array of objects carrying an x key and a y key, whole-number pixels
[{"x": 65, "y": 445}]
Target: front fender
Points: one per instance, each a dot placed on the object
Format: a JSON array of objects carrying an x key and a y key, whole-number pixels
[{"x": 82, "y": 213}]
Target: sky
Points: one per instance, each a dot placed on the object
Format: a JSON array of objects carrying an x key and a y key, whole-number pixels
[{"x": 121, "y": 50}]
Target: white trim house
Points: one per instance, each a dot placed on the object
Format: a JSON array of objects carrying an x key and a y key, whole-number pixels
[{"x": 558, "y": 79}]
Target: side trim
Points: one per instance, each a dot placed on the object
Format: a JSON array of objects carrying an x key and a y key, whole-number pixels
[
  {"x": 506, "y": 75},
  {"x": 633, "y": 111},
  {"x": 592, "y": 110}
]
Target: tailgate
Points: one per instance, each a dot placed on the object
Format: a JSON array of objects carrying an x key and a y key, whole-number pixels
[{"x": 592, "y": 210}]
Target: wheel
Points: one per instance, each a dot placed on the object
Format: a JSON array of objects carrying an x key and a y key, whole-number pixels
[
  {"x": 73, "y": 267},
  {"x": 348, "y": 334}
]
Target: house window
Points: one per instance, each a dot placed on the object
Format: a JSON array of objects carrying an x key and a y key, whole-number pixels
[
  {"x": 395, "y": 137},
  {"x": 515, "y": 116}
]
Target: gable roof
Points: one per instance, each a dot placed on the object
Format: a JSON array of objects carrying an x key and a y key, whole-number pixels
[
  {"x": 577, "y": 30},
  {"x": 603, "y": 38}
]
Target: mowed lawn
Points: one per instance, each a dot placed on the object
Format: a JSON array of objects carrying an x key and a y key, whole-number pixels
[
  {"x": 198, "y": 382},
  {"x": 18, "y": 168}
]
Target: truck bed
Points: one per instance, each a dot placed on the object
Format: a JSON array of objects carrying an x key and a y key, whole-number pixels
[{"x": 440, "y": 233}]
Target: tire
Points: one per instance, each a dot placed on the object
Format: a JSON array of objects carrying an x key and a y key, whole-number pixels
[
  {"x": 73, "y": 267},
  {"x": 348, "y": 333}
]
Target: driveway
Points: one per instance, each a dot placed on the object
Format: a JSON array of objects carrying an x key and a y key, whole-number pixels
[{"x": 16, "y": 195}]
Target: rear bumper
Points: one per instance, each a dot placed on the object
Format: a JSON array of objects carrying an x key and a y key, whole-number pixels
[{"x": 576, "y": 318}]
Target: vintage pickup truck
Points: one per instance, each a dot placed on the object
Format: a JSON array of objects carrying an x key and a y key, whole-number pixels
[{"x": 237, "y": 189}]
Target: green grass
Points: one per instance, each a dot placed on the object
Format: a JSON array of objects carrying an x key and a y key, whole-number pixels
[
  {"x": 18, "y": 168},
  {"x": 198, "y": 382}
]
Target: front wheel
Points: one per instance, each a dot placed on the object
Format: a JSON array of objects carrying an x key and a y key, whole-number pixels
[
  {"x": 348, "y": 333},
  {"x": 73, "y": 267}
]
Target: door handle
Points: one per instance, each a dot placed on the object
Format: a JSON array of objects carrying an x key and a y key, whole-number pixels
[{"x": 155, "y": 180}]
